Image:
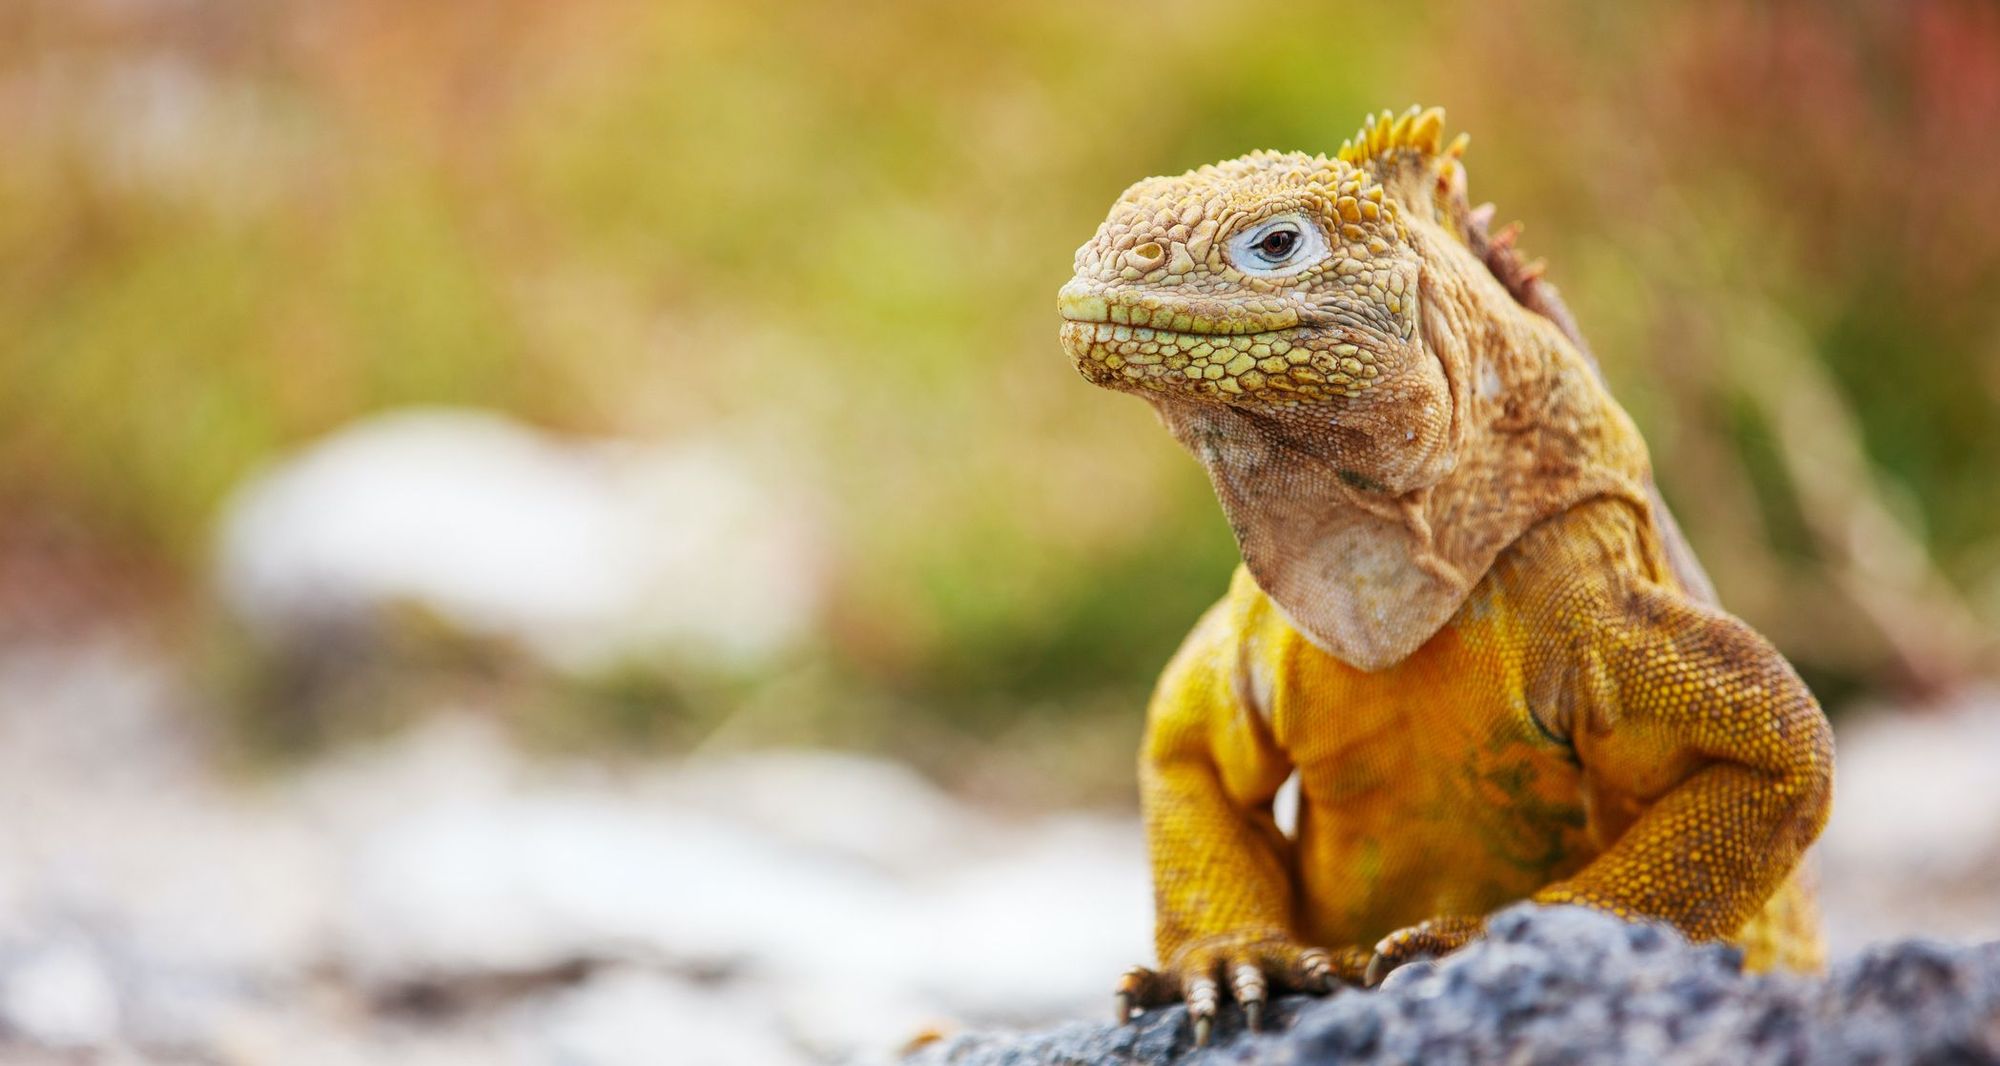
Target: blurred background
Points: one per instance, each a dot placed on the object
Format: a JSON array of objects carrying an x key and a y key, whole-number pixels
[{"x": 543, "y": 532}]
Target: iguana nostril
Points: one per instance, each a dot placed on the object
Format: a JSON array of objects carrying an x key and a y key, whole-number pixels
[{"x": 1147, "y": 256}]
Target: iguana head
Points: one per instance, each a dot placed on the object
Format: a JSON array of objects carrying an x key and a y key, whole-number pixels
[
  {"x": 1383, "y": 395},
  {"x": 1283, "y": 286}
]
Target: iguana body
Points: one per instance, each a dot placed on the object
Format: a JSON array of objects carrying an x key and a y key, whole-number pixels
[{"x": 1465, "y": 622}]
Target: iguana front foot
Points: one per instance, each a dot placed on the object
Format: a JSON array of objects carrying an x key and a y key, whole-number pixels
[
  {"x": 1439, "y": 936},
  {"x": 1251, "y": 968}
]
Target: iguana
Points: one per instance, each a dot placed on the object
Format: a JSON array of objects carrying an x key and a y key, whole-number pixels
[{"x": 1464, "y": 619}]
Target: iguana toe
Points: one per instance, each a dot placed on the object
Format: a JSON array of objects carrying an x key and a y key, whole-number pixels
[
  {"x": 1248, "y": 971},
  {"x": 1439, "y": 936}
]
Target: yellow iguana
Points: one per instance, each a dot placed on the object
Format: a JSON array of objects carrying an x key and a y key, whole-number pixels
[{"x": 1465, "y": 620}]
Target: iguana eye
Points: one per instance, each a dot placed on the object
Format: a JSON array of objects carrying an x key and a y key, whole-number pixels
[{"x": 1278, "y": 247}]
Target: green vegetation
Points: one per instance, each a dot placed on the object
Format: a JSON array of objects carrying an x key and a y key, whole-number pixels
[{"x": 837, "y": 231}]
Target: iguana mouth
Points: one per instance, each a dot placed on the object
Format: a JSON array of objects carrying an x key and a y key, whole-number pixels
[
  {"x": 1106, "y": 332},
  {"x": 1095, "y": 302}
]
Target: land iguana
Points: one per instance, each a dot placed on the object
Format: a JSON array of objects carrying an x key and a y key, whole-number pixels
[{"x": 1464, "y": 620}]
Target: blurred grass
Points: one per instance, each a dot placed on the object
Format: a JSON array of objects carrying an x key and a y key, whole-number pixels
[{"x": 226, "y": 228}]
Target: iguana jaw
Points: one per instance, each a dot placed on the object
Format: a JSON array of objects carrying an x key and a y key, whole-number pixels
[
  {"x": 1276, "y": 366},
  {"x": 1208, "y": 349}
]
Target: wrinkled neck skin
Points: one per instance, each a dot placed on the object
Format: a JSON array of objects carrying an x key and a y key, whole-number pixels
[{"x": 1370, "y": 546}]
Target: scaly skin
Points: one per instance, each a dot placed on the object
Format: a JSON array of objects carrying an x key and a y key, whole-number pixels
[{"x": 1465, "y": 622}]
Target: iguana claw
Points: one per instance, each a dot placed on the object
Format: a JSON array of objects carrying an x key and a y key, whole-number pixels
[
  {"x": 1439, "y": 936},
  {"x": 1251, "y": 970}
]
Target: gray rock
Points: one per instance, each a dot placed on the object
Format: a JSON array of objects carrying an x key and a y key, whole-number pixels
[{"x": 1569, "y": 985}]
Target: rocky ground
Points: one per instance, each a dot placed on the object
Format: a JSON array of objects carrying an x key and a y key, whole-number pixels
[
  {"x": 1568, "y": 985},
  {"x": 442, "y": 898}
]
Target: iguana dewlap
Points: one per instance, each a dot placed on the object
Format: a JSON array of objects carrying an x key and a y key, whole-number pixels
[{"x": 1464, "y": 620}]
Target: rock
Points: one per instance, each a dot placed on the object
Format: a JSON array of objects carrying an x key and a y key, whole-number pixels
[
  {"x": 1570, "y": 985},
  {"x": 529, "y": 882},
  {"x": 633, "y": 1018},
  {"x": 588, "y": 554},
  {"x": 784, "y": 795},
  {"x": 463, "y": 864},
  {"x": 1916, "y": 818},
  {"x": 150, "y": 902},
  {"x": 60, "y": 996},
  {"x": 1037, "y": 925},
  {"x": 142, "y": 899}
]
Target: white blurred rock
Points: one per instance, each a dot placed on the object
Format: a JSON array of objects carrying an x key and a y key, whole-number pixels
[
  {"x": 587, "y": 553},
  {"x": 1033, "y": 928},
  {"x": 633, "y": 1018},
  {"x": 871, "y": 810},
  {"x": 701, "y": 868},
  {"x": 1920, "y": 791},
  {"x": 60, "y": 996},
  {"x": 1914, "y": 842},
  {"x": 534, "y": 881},
  {"x": 111, "y": 822}
]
